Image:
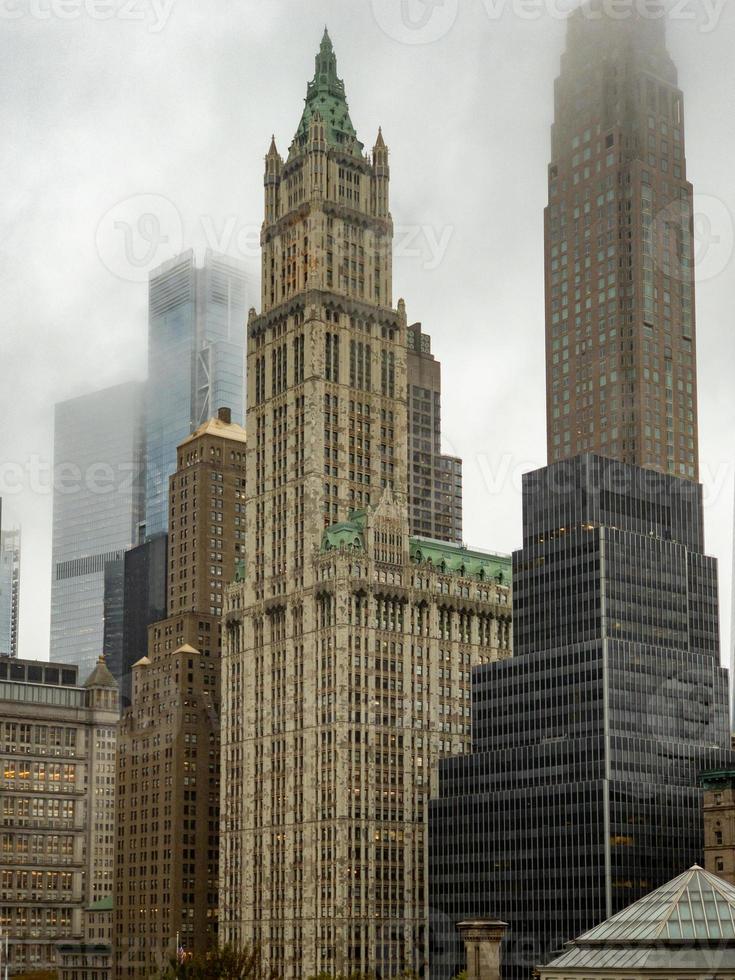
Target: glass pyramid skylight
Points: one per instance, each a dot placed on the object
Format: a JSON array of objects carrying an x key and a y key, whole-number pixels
[{"x": 697, "y": 906}]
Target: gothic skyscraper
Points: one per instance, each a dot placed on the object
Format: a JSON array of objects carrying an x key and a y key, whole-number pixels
[
  {"x": 620, "y": 321},
  {"x": 348, "y": 646}
]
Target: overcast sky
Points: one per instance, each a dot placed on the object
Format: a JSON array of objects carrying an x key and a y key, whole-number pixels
[{"x": 115, "y": 110}]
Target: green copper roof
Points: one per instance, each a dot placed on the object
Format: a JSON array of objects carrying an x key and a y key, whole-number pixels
[
  {"x": 325, "y": 95},
  {"x": 348, "y": 533},
  {"x": 714, "y": 778},
  {"x": 101, "y": 905},
  {"x": 463, "y": 561},
  {"x": 445, "y": 557}
]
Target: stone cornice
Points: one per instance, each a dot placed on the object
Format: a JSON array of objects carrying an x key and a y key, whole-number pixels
[{"x": 383, "y": 315}]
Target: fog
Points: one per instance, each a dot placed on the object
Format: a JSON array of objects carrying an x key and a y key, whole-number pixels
[{"x": 117, "y": 109}]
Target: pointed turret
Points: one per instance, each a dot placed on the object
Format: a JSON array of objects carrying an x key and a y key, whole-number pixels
[
  {"x": 325, "y": 94},
  {"x": 273, "y": 168},
  {"x": 382, "y": 174},
  {"x": 380, "y": 153},
  {"x": 273, "y": 160}
]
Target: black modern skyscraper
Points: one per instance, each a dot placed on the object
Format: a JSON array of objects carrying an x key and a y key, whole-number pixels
[
  {"x": 145, "y": 581},
  {"x": 581, "y": 793}
]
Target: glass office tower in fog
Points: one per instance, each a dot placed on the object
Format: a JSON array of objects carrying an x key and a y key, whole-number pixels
[
  {"x": 196, "y": 361},
  {"x": 9, "y": 588},
  {"x": 98, "y": 507},
  {"x": 581, "y": 794}
]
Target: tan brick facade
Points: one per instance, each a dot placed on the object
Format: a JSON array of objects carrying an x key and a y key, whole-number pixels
[
  {"x": 347, "y": 650},
  {"x": 168, "y": 753},
  {"x": 620, "y": 310}
]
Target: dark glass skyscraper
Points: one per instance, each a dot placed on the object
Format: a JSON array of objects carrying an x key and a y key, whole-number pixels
[
  {"x": 196, "y": 361},
  {"x": 581, "y": 794},
  {"x": 145, "y": 582}
]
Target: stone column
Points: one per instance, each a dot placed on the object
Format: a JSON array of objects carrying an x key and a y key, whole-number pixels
[{"x": 482, "y": 938}]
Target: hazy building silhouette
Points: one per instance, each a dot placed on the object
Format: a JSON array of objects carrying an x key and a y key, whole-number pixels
[
  {"x": 9, "y": 588},
  {"x": 620, "y": 312},
  {"x": 98, "y": 506},
  {"x": 196, "y": 361}
]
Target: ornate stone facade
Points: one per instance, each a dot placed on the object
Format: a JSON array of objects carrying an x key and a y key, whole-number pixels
[
  {"x": 57, "y": 795},
  {"x": 348, "y": 645},
  {"x": 719, "y": 822}
]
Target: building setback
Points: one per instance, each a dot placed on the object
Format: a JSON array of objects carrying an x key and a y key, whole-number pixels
[
  {"x": 620, "y": 318},
  {"x": 582, "y": 791},
  {"x": 57, "y": 787},
  {"x": 348, "y": 645},
  {"x": 89, "y": 958},
  {"x": 98, "y": 500},
  {"x": 196, "y": 361},
  {"x": 434, "y": 480},
  {"x": 169, "y": 745}
]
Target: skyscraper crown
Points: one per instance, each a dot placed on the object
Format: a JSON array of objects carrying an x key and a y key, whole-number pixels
[{"x": 325, "y": 96}]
